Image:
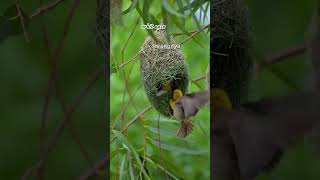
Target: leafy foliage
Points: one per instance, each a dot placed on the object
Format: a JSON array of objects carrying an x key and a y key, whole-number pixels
[{"x": 170, "y": 156}]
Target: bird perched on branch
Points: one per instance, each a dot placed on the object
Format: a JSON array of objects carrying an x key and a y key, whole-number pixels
[{"x": 186, "y": 106}]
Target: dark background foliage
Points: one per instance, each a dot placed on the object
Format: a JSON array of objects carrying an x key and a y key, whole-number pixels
[
  {"x": 178, "y": 158},
  {"x": 24, "y": 74}
]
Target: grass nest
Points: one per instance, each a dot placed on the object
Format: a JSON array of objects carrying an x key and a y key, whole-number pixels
[
  {"x": 231, "y": 49},
  {"x": 158, "y": 65}
]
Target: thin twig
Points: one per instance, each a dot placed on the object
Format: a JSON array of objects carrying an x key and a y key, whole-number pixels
[
  {"x": 195, "y": 81},
  {"x": 137, "y": 117},
  {"x": 71, "y": 110},
  {"x": 127, "y": 62},
  {"x": 46, "y": 99},
  {"x": 159, "y": 143},
  {"x": 144, "y": 147},
  {"x": 73, "y": 133},
  {"x": 200, "y": 78},
  {"x": 114, "y": 61},
  {"x": 25, "y": 33},
  {"x": 195, "y": 33},
  {"x": 67, "y": 119},
  {"x": 127, "y": 42},
  {"x": 190, "y": 32},
  {"x": 126, "y": 89},
  {"x": 92, "y": 172},
  {"x": 279, "y": 57},
  {"x": 44, "y": 9},
  {"x": 284, "y": 54},
  {"x": 99, "y": 167},
  {"x": 52, "y": 75},
  {"x": 43, "y": 128},
  {"x": 127, "y": 105}
]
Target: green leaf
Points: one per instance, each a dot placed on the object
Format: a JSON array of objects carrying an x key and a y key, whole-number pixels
[
  {"x": 169, "y": 9},
  {"x": 132, "y": 7},
  {"x": 179, "y": 149},
  {"x": 176, "y": 21},
  {"x": 154, "y": 20},
  {"x": 131, "y": 170},
  {"x": 122, "y": 167},
  {"x": 113, "y": 154},
  {"x": 162, "y": 168},
  {"x": 145, "y": 10},
  {"x": 159, "y": 17},
  {"x": 168, "y": 163},
  {"x": 163, "y": 131},
  {"x": 145, "y": 20},
  {"x": 124, "y": 140},
  {"x": 180, "y": 25},
  {"x": 195, "y": 5}
]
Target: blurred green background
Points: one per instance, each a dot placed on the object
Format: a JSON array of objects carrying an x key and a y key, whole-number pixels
[
  {"x": 24, "y": 72},
  {"x": 187, "y": 158},
  {"x": 279, "y": 25}
]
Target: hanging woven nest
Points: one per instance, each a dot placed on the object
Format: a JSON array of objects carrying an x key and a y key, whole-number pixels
[
  {"x": 231, "y": 49},
  {"x": 159, "y": 65}
]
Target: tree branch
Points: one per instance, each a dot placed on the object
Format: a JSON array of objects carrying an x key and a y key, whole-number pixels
[{"x": 44, "y": 9}]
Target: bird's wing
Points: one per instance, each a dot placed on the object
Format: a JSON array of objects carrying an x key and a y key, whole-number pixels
[
  {"x": 261, "y": 134},
  {"x": 161, "y": 92},
  {"x": 193, "y": 102}
]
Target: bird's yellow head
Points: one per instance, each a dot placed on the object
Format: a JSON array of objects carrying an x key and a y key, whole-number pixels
[
  {"x": 220, "y": 99},
  {"x": 177, "y": 93}
]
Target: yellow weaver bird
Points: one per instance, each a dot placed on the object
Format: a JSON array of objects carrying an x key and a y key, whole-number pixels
[
  {"x": 185, "y": 106},
  {"x": 165, "y": 88}
]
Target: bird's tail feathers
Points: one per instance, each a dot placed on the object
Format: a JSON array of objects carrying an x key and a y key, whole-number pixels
[{"x": 185, "y": 128}]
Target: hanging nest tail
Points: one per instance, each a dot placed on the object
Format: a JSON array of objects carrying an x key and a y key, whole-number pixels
[
  {"x": 231, "y": 49},
  {"x": 160, "y": 65}
]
